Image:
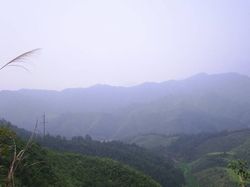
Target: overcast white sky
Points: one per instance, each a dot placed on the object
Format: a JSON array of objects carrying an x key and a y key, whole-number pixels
[{"x": 121, "y": 42}]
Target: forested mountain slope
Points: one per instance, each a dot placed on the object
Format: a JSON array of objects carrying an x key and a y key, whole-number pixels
[
  {"x": 202, "y": 103},
  {"x": 160, "y": 168},
  {"x": 204, "y": 156},
  {"x": 44, "y": 168}
]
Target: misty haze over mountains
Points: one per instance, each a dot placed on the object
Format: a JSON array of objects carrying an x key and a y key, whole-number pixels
[
  {"x": 107, "y": 93},
  {"x": 202, "y": 103}
]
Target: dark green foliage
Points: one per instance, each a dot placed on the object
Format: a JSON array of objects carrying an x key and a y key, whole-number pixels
[
  {"x": 207, "y": 154},
  {"x": 6, "y": 149},
  {"x": 210, "y": 161},
  {"x": 43, "y": 168},
  {"x": 215, "y": 177},
  {"x": 33, "y": 170},
  {"x": 240, "y": 167},
  {"x": 159, "y": 168},
  {"x": 192, "y": 147},
  {"x": 75, "y": 170}
]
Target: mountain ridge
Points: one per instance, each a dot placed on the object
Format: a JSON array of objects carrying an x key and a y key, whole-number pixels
[{"x": 199, "y": 103}]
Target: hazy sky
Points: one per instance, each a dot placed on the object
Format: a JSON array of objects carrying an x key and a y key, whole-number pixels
[{"x": 118, "y": 42}]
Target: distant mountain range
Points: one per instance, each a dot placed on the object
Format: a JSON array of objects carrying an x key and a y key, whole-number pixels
[{"x": 202, "y": 103}]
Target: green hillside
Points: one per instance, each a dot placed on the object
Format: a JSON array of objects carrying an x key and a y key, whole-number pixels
[
  {"x": 77, "y": 170},
  {"x": 203, "y": 157},
  {"x": 160, "y": 168},
  {"x": 43, "y": 168}
]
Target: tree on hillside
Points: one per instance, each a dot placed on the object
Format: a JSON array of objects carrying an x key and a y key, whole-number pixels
[{"x": 240, "y": 168}]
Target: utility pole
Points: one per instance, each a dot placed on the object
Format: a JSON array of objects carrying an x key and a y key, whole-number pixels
[{"x": 44, "y": 124}]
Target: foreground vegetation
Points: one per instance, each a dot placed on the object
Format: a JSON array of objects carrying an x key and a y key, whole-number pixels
[
  {"x": 161, "y": 169},
  {"x": 205, "y": 159},
  {"x": 44, "y": 168}
]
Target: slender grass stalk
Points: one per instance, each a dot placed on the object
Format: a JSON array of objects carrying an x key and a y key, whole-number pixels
[
  {"x": 18, "y": 158},
  {"x": 21, "y": 58}
]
